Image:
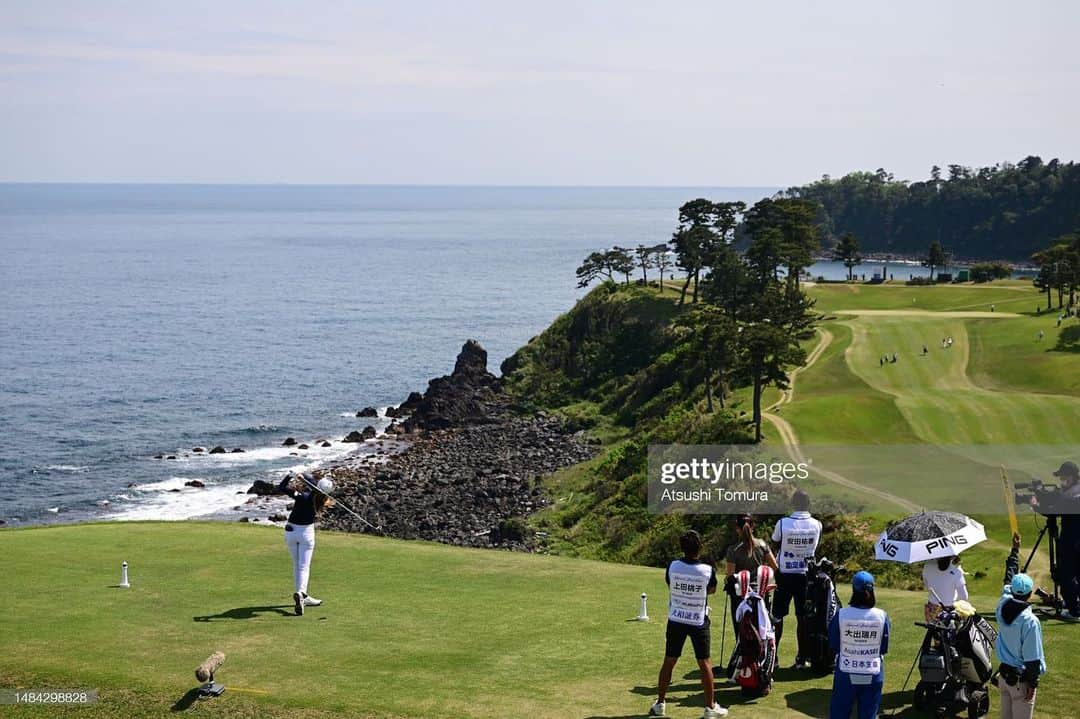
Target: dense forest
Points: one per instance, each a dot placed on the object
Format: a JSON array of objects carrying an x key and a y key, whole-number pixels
[{"x": 1008, "y": 211}]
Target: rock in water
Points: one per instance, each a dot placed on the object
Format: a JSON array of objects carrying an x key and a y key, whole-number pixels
[
  {"x": 289, "y": 442},
  {"x": 464, "y": 397},
  {"x": 262, "y": 488},
  {"x": 218, "y": 450},
  {"x": 198, "y": 449},
  {"x": 237, "y": 450},
  {"x": 303, "y": 446},
  {"x": 353, "y": 436},
  {"x": 369, "y": 432},
  {"x": 325, "y": 444},
  {"x": 194, "y": 483},
  {"x": 368, "y": 412}
]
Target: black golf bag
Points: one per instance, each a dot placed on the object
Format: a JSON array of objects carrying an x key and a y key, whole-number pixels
[
  {"x": 956, "y": 661},
  {"x": 822, "y": 604}
]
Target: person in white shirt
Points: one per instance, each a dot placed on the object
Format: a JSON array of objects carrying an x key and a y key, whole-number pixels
[
  {"x": 945, "y": 585},
  {"x": 795, "y": 539},
  {"x": 690, "y": 581}
]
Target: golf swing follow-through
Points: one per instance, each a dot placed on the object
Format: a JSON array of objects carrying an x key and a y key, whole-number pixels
[{"x": 310, "y": 497}]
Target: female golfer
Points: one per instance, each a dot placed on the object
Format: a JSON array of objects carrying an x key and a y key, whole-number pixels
[
  {"x": 300, "y": 531},
  {"x": 859, "y": 635}
]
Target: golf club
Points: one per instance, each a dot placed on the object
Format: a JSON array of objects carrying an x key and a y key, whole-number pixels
[{"x": 339, "y": 503}]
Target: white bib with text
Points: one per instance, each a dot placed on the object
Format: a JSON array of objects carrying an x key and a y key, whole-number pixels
[
  {"x": 689, "y": 584},
  {"x": 861, "y": 634}
]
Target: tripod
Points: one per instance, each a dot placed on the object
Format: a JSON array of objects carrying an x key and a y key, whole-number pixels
[{"x": 1052, "y": 533}]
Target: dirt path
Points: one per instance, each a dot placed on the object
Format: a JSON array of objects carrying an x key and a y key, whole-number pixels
[{"x": 791, "y": 440}]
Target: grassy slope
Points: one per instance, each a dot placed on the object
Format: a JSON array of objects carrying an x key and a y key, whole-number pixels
[{"x": 409, "y": 629}]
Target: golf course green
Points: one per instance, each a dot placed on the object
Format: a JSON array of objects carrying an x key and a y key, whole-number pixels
[{"x": 418, "y": 630}]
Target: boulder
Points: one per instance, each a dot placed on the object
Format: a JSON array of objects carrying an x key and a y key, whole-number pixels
[
  {"x": 368, "y": 432},
  {"x": 325, "y": 444},
  {"x": 368, "y": 412},
  {"x": 412, "y": 401},
  {"x": 464, "y": 397},
  {"x": 353, "y": 436},
  {"x": 218, "y": 450},
  {"x": 303, "y": 446},
  {"x": 262, "y": 488},
  {"x": 171, "y": 456},
  {"x": 237, "y": 450},
  {"x": 194, "y": 483},
  {"x": 159, "y": 456},
  {"x": 289, "y": 442},
  {"x": 198, "y": 449},
  {"x": 243, "y": 519}
]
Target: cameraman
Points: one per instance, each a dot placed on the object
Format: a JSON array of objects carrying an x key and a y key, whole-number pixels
[{"x": 1068, "y": 506}]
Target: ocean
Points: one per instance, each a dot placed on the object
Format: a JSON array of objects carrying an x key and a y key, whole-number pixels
[
  {"x": 146, "y": 320},
  {"x": 139, "y": 320}
]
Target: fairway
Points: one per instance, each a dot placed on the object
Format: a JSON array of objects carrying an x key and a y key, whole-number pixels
[
  {"x": 997, "y": 395},
  {"x": 408, "y": 629}
]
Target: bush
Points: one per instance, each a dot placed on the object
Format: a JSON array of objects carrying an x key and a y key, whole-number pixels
[{"x": 988, "y": 271}]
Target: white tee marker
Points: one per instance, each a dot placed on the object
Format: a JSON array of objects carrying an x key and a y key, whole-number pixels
[{"x": 644, "y": 615}]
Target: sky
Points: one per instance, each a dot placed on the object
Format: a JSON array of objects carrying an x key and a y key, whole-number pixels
[{"x": 600, "y": 92}]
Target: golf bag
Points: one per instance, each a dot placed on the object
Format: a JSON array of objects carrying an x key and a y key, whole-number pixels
[
  {"x": 822, "y": 604},
  {"x": 754, "y": 657},
  {"x": 956, "y": 661}
]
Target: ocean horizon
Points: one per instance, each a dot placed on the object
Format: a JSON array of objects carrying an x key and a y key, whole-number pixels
[{"x": 149, "y": 319}]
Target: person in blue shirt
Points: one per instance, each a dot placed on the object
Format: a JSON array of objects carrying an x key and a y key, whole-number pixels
[
  {"x": 1019, "y": 641},
  {"x": 859, "y": 636}
]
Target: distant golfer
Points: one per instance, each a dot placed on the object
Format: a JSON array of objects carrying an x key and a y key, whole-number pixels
[
  {"x": 859, "y": 634},
  {"x": 690, "y": 583},
  {"x": 1040, "y": 336},
  {"x": 795, "y": 539},
  {"x": 300, "y": 532}
]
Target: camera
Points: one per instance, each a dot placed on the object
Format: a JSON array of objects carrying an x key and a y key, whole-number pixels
[{"x": 1046, "y": 496}]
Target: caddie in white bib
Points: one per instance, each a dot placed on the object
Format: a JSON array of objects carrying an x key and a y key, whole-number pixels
[
  {"x": 689, "y": 585},
  {"x": 861, "y": 635}
]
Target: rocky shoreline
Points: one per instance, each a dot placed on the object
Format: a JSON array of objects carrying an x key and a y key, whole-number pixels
[{"x": 467, "y": 469}]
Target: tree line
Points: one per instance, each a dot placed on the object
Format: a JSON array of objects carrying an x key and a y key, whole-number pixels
[
  {"x": 1007, "y": 211},
  {"x": 747, "y": 311}
]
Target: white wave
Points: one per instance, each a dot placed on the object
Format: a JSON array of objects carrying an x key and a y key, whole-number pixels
[
  {"x": 165, "y": 485},
  {"x": 186, "y": 504},
  {"x": 72, "y": 468}
]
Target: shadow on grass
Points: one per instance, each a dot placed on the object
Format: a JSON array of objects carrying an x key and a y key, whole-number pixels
[
  {"x": 185, "y": 702},
  {"x": 248, "y": 613},
  {"x": 1069, "y": 340},
  {"x": 815, "y": 702}
]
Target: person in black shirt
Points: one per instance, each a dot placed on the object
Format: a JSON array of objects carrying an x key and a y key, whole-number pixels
[{"x": 300, "y": 532}]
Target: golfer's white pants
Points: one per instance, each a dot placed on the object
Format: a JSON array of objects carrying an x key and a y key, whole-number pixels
[{"x": 301, "y": 544}]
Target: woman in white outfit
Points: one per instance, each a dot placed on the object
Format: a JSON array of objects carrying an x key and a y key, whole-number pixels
[
  {"x": 300, "y": 532},
  {"x": 945, "y": 585}
]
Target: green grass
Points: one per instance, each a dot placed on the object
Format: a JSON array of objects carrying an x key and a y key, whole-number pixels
[
  {"x": 409, "y": 629},
  {"x": 1008, "y": 295}
]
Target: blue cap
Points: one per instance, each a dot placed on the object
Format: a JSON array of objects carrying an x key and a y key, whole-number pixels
[
  {"x": 1021, "y": 585},
  {"x": 862, "y": 581}
]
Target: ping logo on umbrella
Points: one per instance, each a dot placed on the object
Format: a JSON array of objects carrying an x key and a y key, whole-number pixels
[
  {"x": 889, "y": 548},
  {"x": 951, "y": 541}
]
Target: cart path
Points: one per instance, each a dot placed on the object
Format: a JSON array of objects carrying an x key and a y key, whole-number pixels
[{"x": 791, "y": 440}]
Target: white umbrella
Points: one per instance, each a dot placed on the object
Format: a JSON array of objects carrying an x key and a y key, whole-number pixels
[{"x": 928, "y": 535}]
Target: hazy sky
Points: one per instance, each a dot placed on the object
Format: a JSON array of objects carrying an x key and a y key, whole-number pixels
[{"x": 471, "y": 92}]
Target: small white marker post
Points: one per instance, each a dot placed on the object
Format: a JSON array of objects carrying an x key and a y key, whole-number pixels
[
  {"x": 644, "y": 615},
  {"x": 123, "y": 577}
]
